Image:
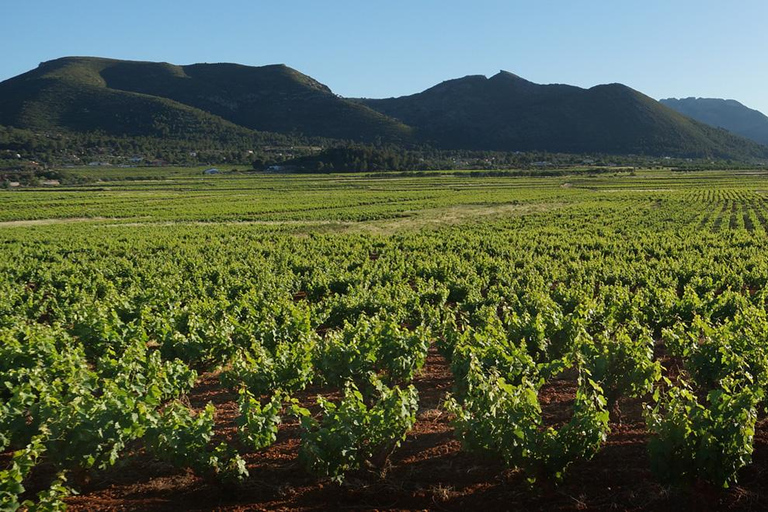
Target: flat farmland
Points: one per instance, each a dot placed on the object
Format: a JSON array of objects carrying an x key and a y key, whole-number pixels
[{"x": 243, "y": 341}]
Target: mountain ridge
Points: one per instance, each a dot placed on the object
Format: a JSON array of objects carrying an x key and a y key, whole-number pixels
[
  {"x": 728, "y": 114},
  {"x": 611, "y": 118},
  {"x": 290, "y": 101},
  {"x": 503, "y": 112}
]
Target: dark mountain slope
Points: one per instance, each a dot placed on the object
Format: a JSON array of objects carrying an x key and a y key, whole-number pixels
[
  {"x": 70, "y": 94},
  {"x": 133, "y": 98},
  {"x": 728, "y": 114},
  {"x": 508, "y": 113},
  {"x": 228, "y": 101},
  {"x": 270, "y": 98}
]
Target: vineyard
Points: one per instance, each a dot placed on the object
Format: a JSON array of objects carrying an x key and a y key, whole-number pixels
[{"x": 448, "y": 341}]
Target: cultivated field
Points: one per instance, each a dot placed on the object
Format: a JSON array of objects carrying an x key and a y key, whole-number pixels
[{"x": 174, "y": 341}]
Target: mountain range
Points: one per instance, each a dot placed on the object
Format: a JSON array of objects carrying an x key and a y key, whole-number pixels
[
  {"x": 506, "y": 112},
  {"x": 503, "y": 112},
  {"x": 728, "y": 114}
]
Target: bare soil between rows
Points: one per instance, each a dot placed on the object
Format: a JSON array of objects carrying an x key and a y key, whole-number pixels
[{"x": 429, "y": 471}]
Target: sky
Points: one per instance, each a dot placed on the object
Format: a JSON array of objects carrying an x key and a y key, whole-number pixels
[{"x": 664, "y": 48}]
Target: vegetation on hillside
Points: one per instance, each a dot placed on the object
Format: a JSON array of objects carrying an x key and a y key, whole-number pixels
[
  {"x": 508, "y": 113},
  {"x": 200, "y": 101},
  {"x": 728, "y": 114},
  {"x": 368, "y": 158},
  {"x": 249, "y": 108}
]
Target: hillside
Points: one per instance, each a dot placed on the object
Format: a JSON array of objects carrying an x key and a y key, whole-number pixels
[
  {"x": 728, "y": 114},
  {"x": 160, "y": 99},
  {"x": 250, "y": 107},
  {"x": 269, "y": 98},
  {"x": 70, "y": 94},
  {"x": 507, "y": 113}
]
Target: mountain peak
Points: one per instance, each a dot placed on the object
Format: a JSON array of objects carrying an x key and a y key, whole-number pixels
[
  {"x": 510, "y": 77},
  {"x": 136, "y": 98},
  {"x": 704, "y": 101},
  {"x": 502, "y": 112},
  {"x": 727, "y": 114},
  {"x": 508, "y": 113}
]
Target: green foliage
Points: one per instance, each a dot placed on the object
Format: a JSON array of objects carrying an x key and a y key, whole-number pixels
[
  {"x": 271, "y": 284},
  {"x": 371, "y": 346},
  {"x": 622, "y": 365},
  {"x": 179, "y": 436},
  {"x": 182, "y": 439},
  {"x": 710, "y": 441},
  {"x": 258, "y": 424},
  {"x": 358, "y": 158},
  {"x": 352, "y": 431},
  {"x": 504, "y": 419},
  {"x": 11, "y": 480},
  {"x": 491, "y": 348},
  {"x": 733, "y": 349},
  {"x": 288, "y": 367}
]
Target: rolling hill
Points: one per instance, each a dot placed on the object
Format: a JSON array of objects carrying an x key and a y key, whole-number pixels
[
  {"x": 728, "y": 114},
  {"x": 234, "y": 102},
  {"x": 160, "y": 99},
  {"x": 508, "y": 113},
  {"x": 70, "y": 94}
]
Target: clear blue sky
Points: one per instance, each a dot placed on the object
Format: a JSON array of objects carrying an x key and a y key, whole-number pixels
[{"x": 664, "y": 48}]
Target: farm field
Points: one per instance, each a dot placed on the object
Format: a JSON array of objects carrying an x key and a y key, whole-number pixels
[{"x": 174, "y": 341}]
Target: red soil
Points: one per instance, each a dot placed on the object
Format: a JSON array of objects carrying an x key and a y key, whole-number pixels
[{"x": 429, "y": 471}]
